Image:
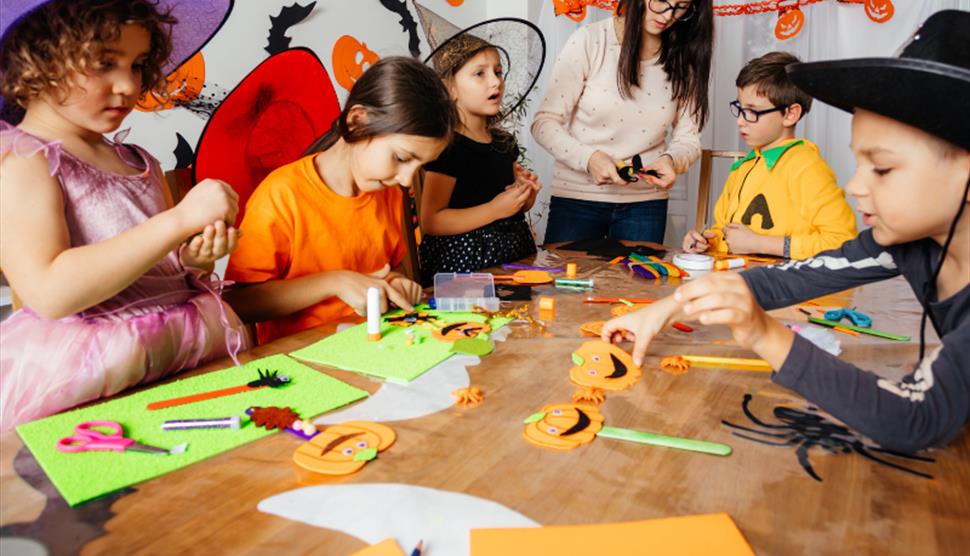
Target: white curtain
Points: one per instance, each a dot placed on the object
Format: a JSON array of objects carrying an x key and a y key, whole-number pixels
[{"x": 832, "y": 30}]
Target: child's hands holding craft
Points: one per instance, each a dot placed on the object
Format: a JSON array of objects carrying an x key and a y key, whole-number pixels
[
  {"x": 351, "y": 287},
  {"x": 642, "y": 325},
  {"x": 724, "y": 298},
  {"x": 208, "y": 202},
  {"x": 602, "y": 168},
  {"x": 216, "y": 241},
  {"x": 742, "y": 240},
  {"x": 697, "y": 242}
]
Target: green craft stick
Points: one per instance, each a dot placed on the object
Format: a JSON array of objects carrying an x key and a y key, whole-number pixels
[
  {"x": 868, "y": 331},
  {"x": 690, "y": 444},
  {"x": 627, "y": 303}
]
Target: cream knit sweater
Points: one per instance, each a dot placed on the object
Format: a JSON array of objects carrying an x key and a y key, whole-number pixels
[{"x": 583, "y": 112}]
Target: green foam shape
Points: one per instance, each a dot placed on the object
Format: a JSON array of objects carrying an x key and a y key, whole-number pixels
[
  {"x": 390, "y": 358},
  {"x": 578, "y": 359},
  {"x": 534, "y": 417},
  {"x": 83, "y": 476},
  {"x": 690, "y": 444},
  {"x": 472, "y": 346}
]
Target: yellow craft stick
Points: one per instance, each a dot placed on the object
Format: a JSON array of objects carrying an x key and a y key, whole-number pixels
[{"x": 752, "y": 364}]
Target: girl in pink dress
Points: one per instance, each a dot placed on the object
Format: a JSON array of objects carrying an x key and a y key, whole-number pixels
[{"x": 114, "y": 279}]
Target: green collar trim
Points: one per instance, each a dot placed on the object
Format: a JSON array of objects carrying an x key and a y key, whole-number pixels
[{"x": 771, "y": 155}]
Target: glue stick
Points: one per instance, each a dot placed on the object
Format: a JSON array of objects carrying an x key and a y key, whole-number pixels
[
  {"x": 727, "y": 264},
  {"x": 373, "y": 314},
  {"x": 232, "y": 422}
]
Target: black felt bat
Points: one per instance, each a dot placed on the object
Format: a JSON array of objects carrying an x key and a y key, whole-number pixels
[
  {"x": 278, "y": 26},
  {"x": 400, "y": 7}
]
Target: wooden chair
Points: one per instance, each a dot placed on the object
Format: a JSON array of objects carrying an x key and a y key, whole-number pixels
[
  {"x": 179, "y": 181},
  {"x": 410, "y": 227},
  {"x": 704, "y": 185}
]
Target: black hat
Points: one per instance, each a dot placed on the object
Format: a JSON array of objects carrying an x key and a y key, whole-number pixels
[{"x": 927, "y": 86}]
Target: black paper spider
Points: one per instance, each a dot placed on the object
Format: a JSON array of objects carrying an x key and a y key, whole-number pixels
[
  {"x": 272, "y": 379},
  {"x": 411, "y": 319},
  {"x": 807, "y": 429}
]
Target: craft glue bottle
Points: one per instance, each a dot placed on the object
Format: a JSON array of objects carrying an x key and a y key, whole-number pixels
[{"x": 373, "y": 314}]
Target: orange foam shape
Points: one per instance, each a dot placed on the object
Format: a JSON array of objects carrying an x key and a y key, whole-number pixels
[
  {"x": 603, "y": 366},
  {"x": 338, "y": 459},
  {"x": 564, "y": 426}
]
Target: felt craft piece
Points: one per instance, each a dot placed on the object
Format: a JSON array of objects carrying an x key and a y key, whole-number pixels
[
  {"x": 563, "y": 426},
  {"x": 460, "y": 330},
  {"x": 603, "y": 365},
  {"x": 679, "y": 364},
  {"x": 471, "y": 395},
  {"x": 530, "y": 277},
  {"x": 673, "y": 536},
  {"x": 265, "y": 380},
  {"x": 609, "y": 248},
  {"x": 392, "y": 358},
  {"x": 81, "y": 477},
  {"x": 594, "y": 329},
  {"x": 472, "y": 346},
  {"x": 593, "y": 396},
  {"x": 805, "y": 430},
  {"x": 345, "y": 448}
]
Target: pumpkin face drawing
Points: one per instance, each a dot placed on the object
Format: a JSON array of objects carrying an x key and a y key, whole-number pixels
[
  {"x": 348, "y": 58},
  {"x": 344, "y": 448},
  {"x": 460, "y": 330},
  {"x": 603, "y": 365},
  {"x": 880, "y": 11},
  {"x": 182, "y": 86},
  {"x": 789, "y": 24},
  {"x": 563, "y": 426}
]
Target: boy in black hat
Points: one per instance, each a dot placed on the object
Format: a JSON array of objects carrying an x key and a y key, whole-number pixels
[{"x": 911, "y": 138}]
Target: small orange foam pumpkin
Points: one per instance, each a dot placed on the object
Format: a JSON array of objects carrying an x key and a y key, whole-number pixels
[
  {"x": 789, "y": 23},
  {"x": 563, "y": 426},
  {"x": 348, "y": 59},
  {"x": 603, "y": 365},
  {"x": 345, "y": 448},
  {"x": 182, "y": 85},
  {"x": 460, "y": 331}
]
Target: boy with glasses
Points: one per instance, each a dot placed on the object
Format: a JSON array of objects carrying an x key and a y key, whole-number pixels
[{"x": 782, "y": 198}]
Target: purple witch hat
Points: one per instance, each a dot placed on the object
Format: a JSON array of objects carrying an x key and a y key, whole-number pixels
[{"x": 198, "y": 21}]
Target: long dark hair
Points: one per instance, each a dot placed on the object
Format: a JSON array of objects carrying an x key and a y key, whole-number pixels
[
  {"x": 685, "y": 52},
  {"x": 399, "y": 95}
]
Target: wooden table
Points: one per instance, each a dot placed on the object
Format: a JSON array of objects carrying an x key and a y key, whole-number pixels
[{"x": 860, "y": 507}]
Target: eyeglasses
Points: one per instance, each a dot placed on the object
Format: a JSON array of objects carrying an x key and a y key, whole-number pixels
[
  {"x": 750, "y": 115},
  {"x": 682, "y": 11}
]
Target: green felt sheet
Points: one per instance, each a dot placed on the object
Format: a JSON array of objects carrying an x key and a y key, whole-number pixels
[
  {"x": 86, "y": 475},
  {"x": 390, "y": 358}
]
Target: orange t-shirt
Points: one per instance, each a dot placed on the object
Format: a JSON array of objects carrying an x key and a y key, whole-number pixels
[{"x": 295, "y": 226}]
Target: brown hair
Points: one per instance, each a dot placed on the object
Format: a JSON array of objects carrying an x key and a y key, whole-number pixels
[
  {"x": 399, "y": 95},
  {"x": 767, "y": 74},
  {"x": 685, "y": 54},
  {"x": 63, "y": 37}
]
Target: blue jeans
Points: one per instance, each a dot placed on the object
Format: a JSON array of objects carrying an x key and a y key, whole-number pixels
[{"x": 575, "y": 220}]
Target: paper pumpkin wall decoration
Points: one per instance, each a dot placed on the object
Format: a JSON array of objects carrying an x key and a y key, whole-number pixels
[
  {"x": 563, "y": 426},
  {"x": 267, "y": 121},
  {"x": 602, "y": 365},
  {"x": 348, "y": 59},
  {"x": 182, "y": 86},
  {"x": 790, "y": 22},
  {"x": 576, "y": 9},
  {"x": 345, "y": 448},
  {"x": 880, "y": 11}
]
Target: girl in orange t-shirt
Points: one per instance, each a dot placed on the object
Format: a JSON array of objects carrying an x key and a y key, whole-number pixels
[{"x": 317, "y": 233}]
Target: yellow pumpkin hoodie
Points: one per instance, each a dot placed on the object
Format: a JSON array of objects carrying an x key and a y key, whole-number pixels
[{"x": 786, "y": 190}]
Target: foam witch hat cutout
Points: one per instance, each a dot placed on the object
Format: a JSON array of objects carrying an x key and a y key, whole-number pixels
[
  {"x": 198, "y": 21},
  {"x": 267, "y": 121},
  {"x": 521, "y": 47}
]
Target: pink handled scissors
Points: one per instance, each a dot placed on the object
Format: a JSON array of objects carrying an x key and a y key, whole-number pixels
[{"x": 87, "y": 438}]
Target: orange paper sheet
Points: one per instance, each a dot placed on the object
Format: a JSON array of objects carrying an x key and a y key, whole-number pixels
[
  {"x": 674, "y": 536},
  {"x": 387, "y": 547}
]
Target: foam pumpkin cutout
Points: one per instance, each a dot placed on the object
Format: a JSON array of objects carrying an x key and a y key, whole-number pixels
[
  {"x": 181, "y": 86},
  {"x": 620, "y": 310},
  {"x": 345, "y": 448},
  {"x": 460, "y": 331},
  {"x": 789, "y": 23},
  {"x": 880, "y": 11},
  {"x": 594, "y": 329},
  {"x": 603, "y": 365},
  {"x": 563, "y": 426},
  {"x": 348, "y": 59},
  {"x": 529, "y": 277}
]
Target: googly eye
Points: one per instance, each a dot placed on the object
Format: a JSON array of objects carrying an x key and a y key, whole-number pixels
[
  {"x": 592, "y": 372},
  {"x": 348, "y": 451},
  {"x": 362, "y": 444},
  {"x": 596, "y": 358},
  {"x": 557, "y": 412},
  {"x": 552, "y": 430}
]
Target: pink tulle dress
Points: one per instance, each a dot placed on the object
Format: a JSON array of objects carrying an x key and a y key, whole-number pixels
[{"x": 168, "y": 320}]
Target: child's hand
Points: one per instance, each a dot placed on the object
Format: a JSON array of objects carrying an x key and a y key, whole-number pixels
[
  {"x": 511, "y": 201},
  {"x": 210, "y": 200},
  {"x": 642, "y": 325},
  {"x": 215, "y": 242},
  {"x": 602, "y": 168},
  {"x": 525, "y": 177},
  {"x": 663, "y": 166},
  {"x": 351, "y": 287},
  {"x": 408, "y": 288},
  {"x": 741, "y": 239},
  {"x": 724, "y": 298},
  {"x": 698, "y": 242}
]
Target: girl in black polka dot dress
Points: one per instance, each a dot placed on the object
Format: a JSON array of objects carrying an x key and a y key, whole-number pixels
[{"x": 475, "y": 195}]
